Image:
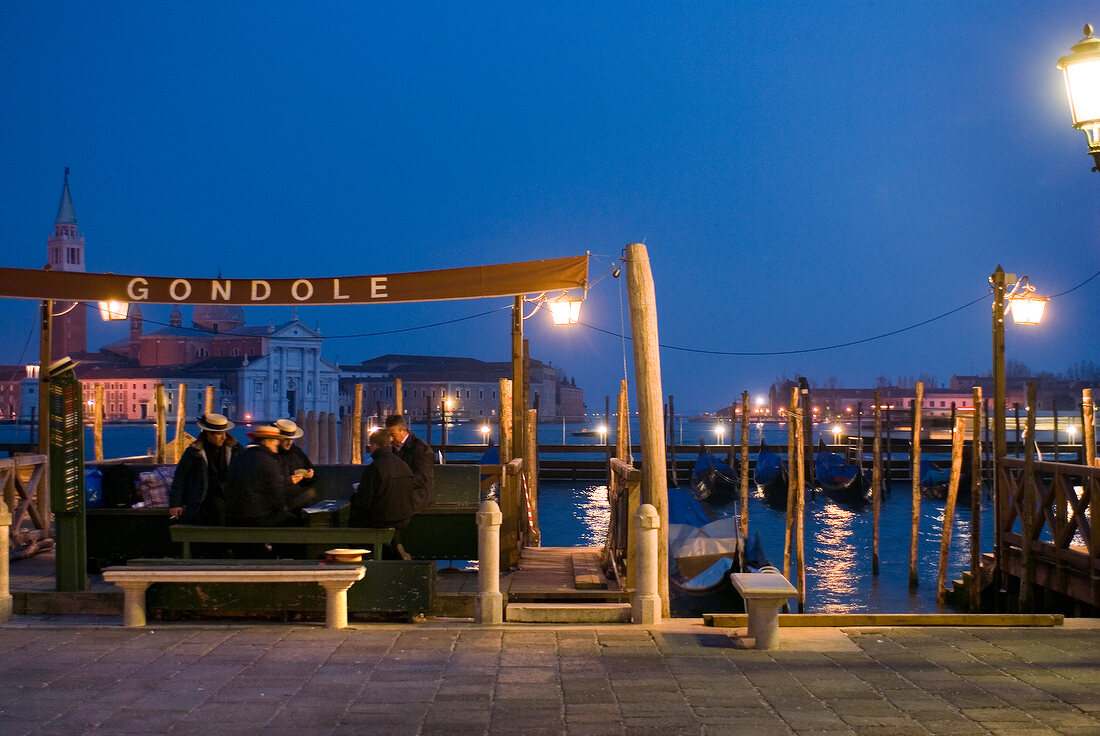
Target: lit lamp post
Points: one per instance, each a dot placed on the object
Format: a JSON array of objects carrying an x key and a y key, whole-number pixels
[
  {"x": 719, "y": 432},
  {"x": 1026, "y": 309},
  {"x": 1082, "y": 73}
]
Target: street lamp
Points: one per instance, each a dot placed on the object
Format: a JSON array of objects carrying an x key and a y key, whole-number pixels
[
  {"x": 113, "y": 310},
  {"x": 485, "y": 430},
  {"x": 1021, "y": 301},
  {"x": 1082, "y": 73}
]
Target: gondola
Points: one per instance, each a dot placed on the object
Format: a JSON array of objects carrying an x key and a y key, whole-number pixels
[
  {"x": 840, "y": 480},
  {"x": 771, "y": 477},
  {"x": 713, "y": 480},
  {"x": 704, "y": 547},
  {"x": 935, "y": 479}
]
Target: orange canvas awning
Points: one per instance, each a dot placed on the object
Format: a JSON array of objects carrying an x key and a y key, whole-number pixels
[{"x": 472, "y": 282}]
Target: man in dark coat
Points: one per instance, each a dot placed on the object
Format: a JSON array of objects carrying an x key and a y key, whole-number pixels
[
  {"x": 197, "y": 495},
  {"x": 385, "y": 494},
  {"x": 256, "y": 489},
  {"x": 418, "y": 455},
  {"x": 295, "y": 463}
]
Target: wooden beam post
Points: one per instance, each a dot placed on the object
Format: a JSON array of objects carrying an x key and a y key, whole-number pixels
[
  {"x": 914, "y": 471},
  {"x": 975, "y": 587},
  {"x": 1088, "y": 427},
  {"x": 357, "y": 426},
  {"x": 504, "y": 415},
  {"x": 958, "y": 439},
  {"x": 792, "y": 478},
  {"x": 531, "y": 469},
  {"x": 518, "y": 407},
  {"x": 1028, "y": 517},
  {"x": 98, "y": 422},
  {"x": 622, "y": 426},
  {"x": 162, "y": 408},
  {"x": 641, "y": 295},
  {"x": 398, "y": 398},
  {"x": 208, "y": 402},
  {"x": 876, "y": 482},
  {"x": 744, "y": 462},
  {"x": 181, "y": 422}
]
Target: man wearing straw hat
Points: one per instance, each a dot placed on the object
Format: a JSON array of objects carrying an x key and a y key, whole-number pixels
[
  {"x": 295, "y": 462},
  {"x": 197, "y": 495},
  {"x": 257, "y": 489}
]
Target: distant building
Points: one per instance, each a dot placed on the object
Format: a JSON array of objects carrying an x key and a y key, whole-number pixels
[
  {"x": 471, "y": 386},
  {"x": 65, "y": 252}
]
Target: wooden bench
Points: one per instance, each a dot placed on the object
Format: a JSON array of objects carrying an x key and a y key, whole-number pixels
[
  {"x": 764, "y": 594},
  {"x": 334, "y": 578},
  {"x": 320, "y": 536}
]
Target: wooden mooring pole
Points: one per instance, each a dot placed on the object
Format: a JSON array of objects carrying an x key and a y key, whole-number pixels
[
  {"x": 800, "y": 502},
  {"x": 181, "y": 422},
  {"x": 356, "y": 426},
  {"x": 1027, "y": 518},
  {"x": 162, "y": 408},
  {"x": 504, "y": 431},
  {"x": 98, "y": 439},
  {"x": 792, "y": 479},
  {"x": 914, "y": 470},
  {"x": 744, "y": 462},
  {"x": 876, "y": 482},
  {"x": 958, "y": 438},
  {"x": 975, "y": 587},
  {"x": 622, "y": 426},
  {"x": 1088, "y": 427},
  {"x": 208, "y": 400},
  {"x": 398, "y": 398}
]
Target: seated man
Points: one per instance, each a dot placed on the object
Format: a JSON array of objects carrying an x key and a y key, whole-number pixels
[
  {"x": 256, "y": 488},
  {"x": 197, "y": 495},
  {"x": 385, "y": 494},
  {"x": 418, "y": 455},
  {"x": 295, "y": 462}
]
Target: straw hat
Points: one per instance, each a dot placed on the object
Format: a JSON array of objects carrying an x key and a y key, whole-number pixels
[
  {"x": 288, "y": 429},
  {"x": 265, "y": 432},
  {"x": 214, "y": 423}
]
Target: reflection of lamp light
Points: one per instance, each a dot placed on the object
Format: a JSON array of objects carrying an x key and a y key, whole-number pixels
[
  {"x": 602, "y": 431},
  {"x": 836, "y": 434},
  {"x": 485, "y": 430},
  {"x": 113, "y": 310},
  {"x": 1082, "y": 73},
  {"x": 565, "y": 310},
  {"x": 1071, "y": 430},
  {"x": 719, "y": 430}
]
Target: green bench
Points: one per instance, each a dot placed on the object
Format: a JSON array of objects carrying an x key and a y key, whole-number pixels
[
  {"x": 404, "y": 587},
  {"x": 312, "y": 537}
]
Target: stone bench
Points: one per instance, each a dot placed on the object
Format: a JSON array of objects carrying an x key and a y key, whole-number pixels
[
  {"x": 334, "y": 578},
  {"x": 764, "y": 594},
  {"x": 309, "y": 535}
]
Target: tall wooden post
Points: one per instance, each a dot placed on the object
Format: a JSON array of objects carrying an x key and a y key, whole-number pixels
[
  {"x": 914, "y": 469},
  {"x": 531, "y": 469},
  {"x": 98, "y": 427},
  {"x": 1088, "y": 427},
  {"x": 162, "y": 407},
  {"x": 792, "y": 478},
  {"x": 1027, "y": 520},
  {"x": 181, "y": 421},
  {"x": 647, "y": 366},
  {"x": 43, "y": 499},
  {"x": 518, "y": 406},
  {"x": 398, "y": 398},
  {"x": 505, "y": 434},
  {"x": 975, "y": 587},
  {"x": 333, "y": 445},
  {"x": 744, "y": 462},
  {"x": 876, "y": 482},
  {"x": 999, "y": 446},
  {"x": 674, "y": 479},
  {"x": 800, "y": 505},
  {"x": 357, "y": 426},
  {"x": 622, "y": 426},
  {"x": 958, "y": 439},
  {"x": 208, "y": 403}
]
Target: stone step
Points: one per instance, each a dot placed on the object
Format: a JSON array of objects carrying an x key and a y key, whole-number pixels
[{"x": 568, "y": 613}]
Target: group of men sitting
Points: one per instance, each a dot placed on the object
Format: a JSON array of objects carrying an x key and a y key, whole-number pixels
[{"x": 267, "y": 483}]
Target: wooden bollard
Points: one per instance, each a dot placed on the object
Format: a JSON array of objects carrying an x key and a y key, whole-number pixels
[
  {"x": 322, "y": 437},
  {"x": 208, "y": 400},
  {"x": 914, "y": 465},
  {"x": 800, "y": 504},
  {"x": 181, "y": 422},
  {"x": 958, "y": 438},
  {"x": 646, "y": 605},
  {"x": 162, "y": 431},
  {"x": 356, "y": 426},
  {"x": 345, "y": 443},
  {"x": 489, "y": 603},
  {"x": 312, "y": 439},
  {"x": 504, "y": 432},
  {"x": 1088, "y": 427}
]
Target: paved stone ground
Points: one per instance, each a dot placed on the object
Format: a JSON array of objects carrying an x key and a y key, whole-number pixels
[{"x": 64, "y": 676}]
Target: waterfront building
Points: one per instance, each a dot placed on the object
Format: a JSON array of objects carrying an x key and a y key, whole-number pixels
[{"x": 462, "y": 389}]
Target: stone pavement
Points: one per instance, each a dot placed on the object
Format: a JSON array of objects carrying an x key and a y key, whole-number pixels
[{"x": 63, "y": 675}]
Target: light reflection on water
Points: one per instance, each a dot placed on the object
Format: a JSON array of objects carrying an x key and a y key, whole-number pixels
[{"x": 838, "y": 544}]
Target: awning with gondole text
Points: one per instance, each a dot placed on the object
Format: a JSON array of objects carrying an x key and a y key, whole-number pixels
[{"x": 472, "y": 282}]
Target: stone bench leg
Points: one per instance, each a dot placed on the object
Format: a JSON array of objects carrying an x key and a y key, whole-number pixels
[
  {"x": 336, "y": 604},
  {"x": 133, "y": 602},
  {"x": 764, "y": 621}
]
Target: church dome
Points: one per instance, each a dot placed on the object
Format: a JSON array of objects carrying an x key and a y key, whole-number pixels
[{"x": 218, "y": 317}]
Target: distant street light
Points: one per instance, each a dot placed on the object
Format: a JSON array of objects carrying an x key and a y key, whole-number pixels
[
  {"x": 836, "y": 434},
  {"x": 1082, "y": 73},
  {"x": 485, "y": 430},
  {"x": 1071, "y": 431},
  {"x": 719, "y": 431}
]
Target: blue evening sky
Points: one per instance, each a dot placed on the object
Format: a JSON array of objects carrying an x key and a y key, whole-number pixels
[{"x": 803, "y": 174}]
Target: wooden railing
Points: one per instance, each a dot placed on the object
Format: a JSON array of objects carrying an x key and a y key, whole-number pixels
[
  {"x": 1049, "y": 526},
  {"x": 23, "y": 479},
  {"x": 624, "y": 494}
]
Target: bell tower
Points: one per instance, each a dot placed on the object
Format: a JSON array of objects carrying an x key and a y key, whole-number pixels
[{"x": 65, "y": 252}]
